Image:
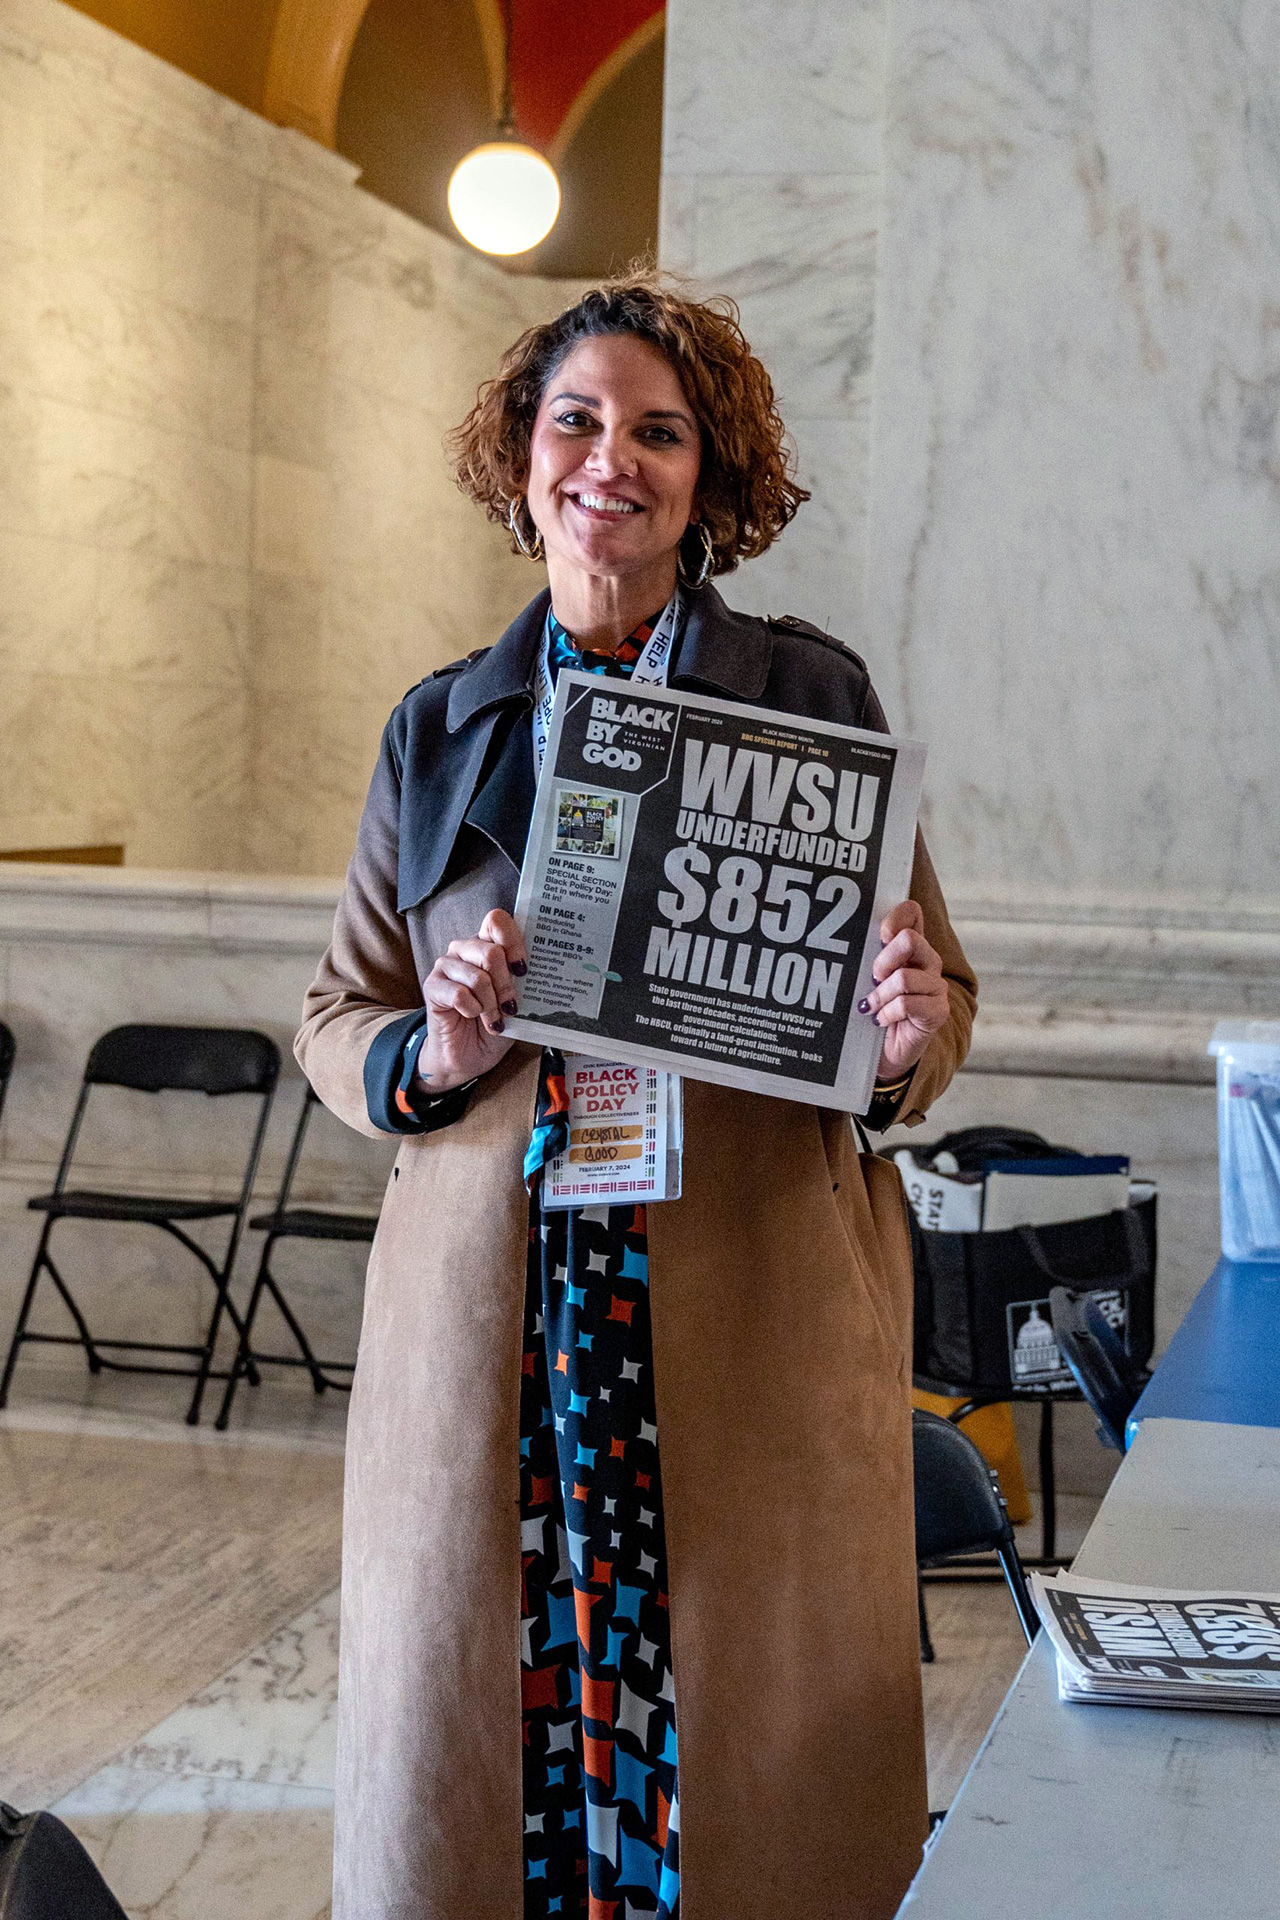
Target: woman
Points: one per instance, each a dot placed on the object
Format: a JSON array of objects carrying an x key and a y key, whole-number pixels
[{"x": 629, "y": 1621}]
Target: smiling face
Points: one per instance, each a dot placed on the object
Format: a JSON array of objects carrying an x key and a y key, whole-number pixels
[{"x": 613, "y": 464}]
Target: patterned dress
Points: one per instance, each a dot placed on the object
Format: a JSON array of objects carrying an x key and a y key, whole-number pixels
[{"x": 601, "y": 1810}]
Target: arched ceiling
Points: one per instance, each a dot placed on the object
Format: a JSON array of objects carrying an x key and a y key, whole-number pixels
[
  {"x": 414, "y": 103},
  {"x": 404, "y": 87},
  {"x": 228, "y": 46},
  {"x": 564, "y": 54}
]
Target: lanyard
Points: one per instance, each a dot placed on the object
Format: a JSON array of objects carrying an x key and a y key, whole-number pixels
[
  {"x": 662, "y": 1129},
  {"x": 650, "y": 669}
]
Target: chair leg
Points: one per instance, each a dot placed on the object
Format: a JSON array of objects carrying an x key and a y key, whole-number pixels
[
  {"x": 240, "y": 1366},
  {"x": 1048, "y": 1486},
  {"x": 927, "y": 1654},
  {"x": 82, "y": 1329},
  {"x": 222, "y": 1284},
  {"x": 318, "y": 1380},
  {"x": 1028, "y": 1618},
  {"x": 24, "y": 1314},
  {"x": 42, "y": 1260}
]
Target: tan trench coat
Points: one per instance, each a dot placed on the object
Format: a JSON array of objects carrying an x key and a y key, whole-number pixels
[{"x": 781, "y": 1306}]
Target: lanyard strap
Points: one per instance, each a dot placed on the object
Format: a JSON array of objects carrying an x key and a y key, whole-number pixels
[{"x": 650, "y": 669}]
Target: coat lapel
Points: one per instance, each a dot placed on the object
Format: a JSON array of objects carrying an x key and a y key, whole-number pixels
[
  {"x": 448, "y": 769},
  {"x": 485, "y": 778},
  {"x": 503, "y": 802},
  {"x": 505, "y": 672}
]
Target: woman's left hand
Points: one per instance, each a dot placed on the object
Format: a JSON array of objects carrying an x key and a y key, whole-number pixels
[{"x": 910, "y": 999}]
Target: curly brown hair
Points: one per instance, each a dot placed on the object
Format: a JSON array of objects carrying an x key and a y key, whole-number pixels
[{"x": 747, "y": 491}]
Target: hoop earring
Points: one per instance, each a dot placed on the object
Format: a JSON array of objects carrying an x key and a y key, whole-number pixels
[
  {"x": 533, "y": 552},
  {"x": 708, "y": 560}
]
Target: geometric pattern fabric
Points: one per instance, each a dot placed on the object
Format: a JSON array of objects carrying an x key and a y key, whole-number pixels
[
  {"x": 601, "y": 1805},
  {"x": 601, "y": 1812}
]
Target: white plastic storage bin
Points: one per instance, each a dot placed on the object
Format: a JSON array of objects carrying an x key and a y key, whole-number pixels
[{"x": 1248, "y": 1054}]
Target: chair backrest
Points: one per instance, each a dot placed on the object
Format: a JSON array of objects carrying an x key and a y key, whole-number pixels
[
  {"x": 958, "y": 1504},
  {"x": 156, "y": 1059},
  {"x": 310, "y": 1101},
  {"x": 1105, "y": 1374}
]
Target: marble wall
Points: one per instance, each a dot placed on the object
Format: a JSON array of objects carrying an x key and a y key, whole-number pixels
[
  {"x": 369, "y": 568},
  {"x": 228, "y": 538},
  {"x": 1017, "y": 275},
  {"x": 1073, "y": 566},
  {"x": 771, "y": 188},
  {"x": 1016, "y": 272}
]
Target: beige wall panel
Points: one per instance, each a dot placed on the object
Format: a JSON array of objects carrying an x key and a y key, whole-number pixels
[{"x": 225, "y": 513}]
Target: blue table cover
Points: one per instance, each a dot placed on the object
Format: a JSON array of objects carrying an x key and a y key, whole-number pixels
[{"x": 1223, "y": 1363}]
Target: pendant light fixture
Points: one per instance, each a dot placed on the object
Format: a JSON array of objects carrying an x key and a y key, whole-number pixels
[{"x": 504, "y": 197}]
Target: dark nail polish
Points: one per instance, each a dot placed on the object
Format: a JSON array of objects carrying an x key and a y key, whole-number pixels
[
  {"x": 498, "y": 1026},
  {"x": 519, "y": 968},
  {"x": 864, "y": 1006},
  {"x": 511, "y": 1006}
]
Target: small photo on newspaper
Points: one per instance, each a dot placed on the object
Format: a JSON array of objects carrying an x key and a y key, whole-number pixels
[
  {"x": 588, "y": 823},
  {"x": 703, "y": 888},
  {"x": 1160, "y": 1647}
]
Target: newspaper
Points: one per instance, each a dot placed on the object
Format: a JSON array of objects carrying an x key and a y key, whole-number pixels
[
  {"x": 704, "y": 884},
  {"x": 1152, "y": 1647},
  {"x": 1014, "y": 1193}
]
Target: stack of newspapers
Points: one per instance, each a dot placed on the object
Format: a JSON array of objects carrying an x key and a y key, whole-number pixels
[{"x": 1153, "y": 1647}]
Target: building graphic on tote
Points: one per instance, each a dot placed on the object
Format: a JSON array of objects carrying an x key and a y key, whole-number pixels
[{"x": 1034, "y": 1359}]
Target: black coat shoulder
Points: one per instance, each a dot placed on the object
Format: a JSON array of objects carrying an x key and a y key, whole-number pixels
[
  {"x": 421, "y": 713},
  {"x": 813, "y": 673}
]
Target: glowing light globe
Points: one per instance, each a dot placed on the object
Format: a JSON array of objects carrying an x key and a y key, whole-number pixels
[{"x": 504, "y": 197}]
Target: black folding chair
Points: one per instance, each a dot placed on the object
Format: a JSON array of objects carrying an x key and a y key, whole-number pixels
[
  {"x": 292, "y": 1223},
  {"x": 155, "y": 1059},
  {"x": 7, "y": 1050},
  {"x": 960, "y": 1510},
  {"x": 1107, "y": 1377}
]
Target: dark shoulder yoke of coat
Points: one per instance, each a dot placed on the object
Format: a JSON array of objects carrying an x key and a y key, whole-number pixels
[{"x": 601, "y": 1801}]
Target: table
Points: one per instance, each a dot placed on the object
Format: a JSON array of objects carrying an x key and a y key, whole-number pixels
[
  {"x": 1111, "y": 1813},
  {"x": 1223, "y": 1363}
]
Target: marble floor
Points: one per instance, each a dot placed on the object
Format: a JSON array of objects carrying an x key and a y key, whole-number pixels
[
  {"x": 224, "y": 1810},
  {"x": 170, "y": 1621},
  {"x": 168, "y": 1614}
]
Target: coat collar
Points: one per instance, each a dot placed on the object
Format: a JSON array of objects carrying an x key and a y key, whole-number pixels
[
  {"x": 505, "y": 672},
  {"x": 727, "y": 651}
]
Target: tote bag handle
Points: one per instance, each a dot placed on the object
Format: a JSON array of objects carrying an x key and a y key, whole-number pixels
[{"x": 1030, "y": 1238}]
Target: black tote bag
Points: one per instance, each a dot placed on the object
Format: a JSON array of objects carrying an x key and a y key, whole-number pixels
[{"x": 982, "y": 1322}]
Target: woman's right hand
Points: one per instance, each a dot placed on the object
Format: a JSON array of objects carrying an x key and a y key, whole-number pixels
[{"x": 466, "y": 994}]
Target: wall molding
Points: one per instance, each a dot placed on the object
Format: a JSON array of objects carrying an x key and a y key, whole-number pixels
[
  {"x": 1059, "y": 998},
  {"x": 197, "y": 912}
]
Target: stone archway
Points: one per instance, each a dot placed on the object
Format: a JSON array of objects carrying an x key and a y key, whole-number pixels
[{"x": 310, "y": 47}]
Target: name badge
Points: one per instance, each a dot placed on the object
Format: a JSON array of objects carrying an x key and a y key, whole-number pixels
[{"x": 626, "y": 1136}]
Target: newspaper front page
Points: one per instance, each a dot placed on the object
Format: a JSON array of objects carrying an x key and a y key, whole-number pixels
[
  {"x": 704, "y": 884},
  {"x": 1153, "y": 1647}
]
